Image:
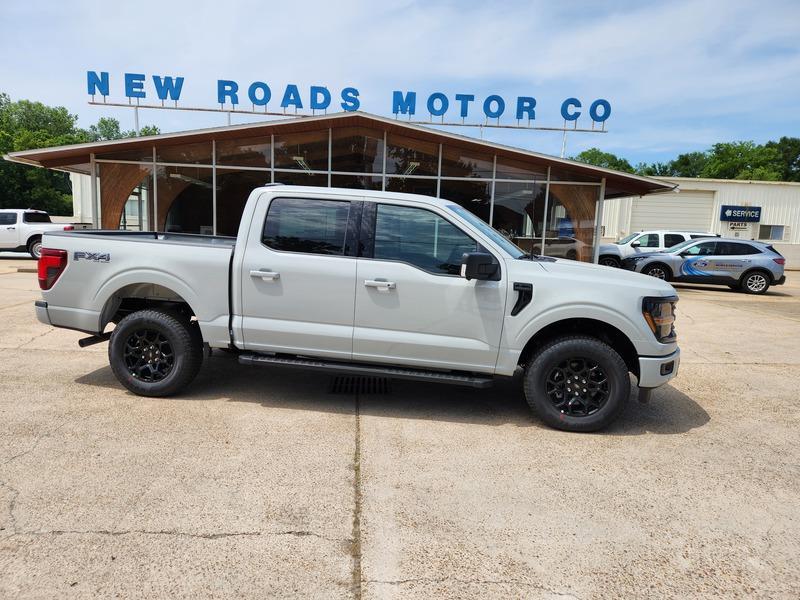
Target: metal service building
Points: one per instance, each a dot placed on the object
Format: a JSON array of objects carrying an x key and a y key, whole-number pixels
[{"x": 198, "y": 181}]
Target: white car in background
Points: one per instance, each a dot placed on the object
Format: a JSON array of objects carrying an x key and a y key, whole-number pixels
[
  {"x": 612, "y": 255},
  {"x": 21, "y": 230}
]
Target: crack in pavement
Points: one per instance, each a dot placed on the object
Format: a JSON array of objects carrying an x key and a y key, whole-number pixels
[
  {"x": 172, "y": 532},
  {"x": 36, "y": 443},
  {"x": 473, "y": 582},
  {"x": 12, "y": 504}
]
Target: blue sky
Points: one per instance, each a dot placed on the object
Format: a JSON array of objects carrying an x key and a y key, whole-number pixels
[{"x": 680, "y": 75}]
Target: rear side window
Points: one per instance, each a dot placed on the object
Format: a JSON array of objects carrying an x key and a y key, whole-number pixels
[
  {"x": 703, "y": 249},
  {"x": 671, "y": 239},
  {"x": 421, "y": 238},
  {"x": 735, "y": 249},
  {"x": 306, "y": 225},
  {"x": 649, "y": 240},
  {"x": 8, "y": 218},
  {"x": 36, "y": 217}
]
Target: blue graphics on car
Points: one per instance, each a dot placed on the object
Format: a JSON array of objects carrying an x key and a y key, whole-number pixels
[{"x": 744, "y": 265}]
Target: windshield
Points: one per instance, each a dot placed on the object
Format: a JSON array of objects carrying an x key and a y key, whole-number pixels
[
  {"x": 626, "y": 239},
  {"x": 494, "y": 235}
]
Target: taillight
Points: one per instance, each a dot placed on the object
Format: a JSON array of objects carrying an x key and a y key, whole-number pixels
[
  {"x": 780, "y": 261},
  {"x": 69, "y": 227},
  {"x": 51, "y": 264}
]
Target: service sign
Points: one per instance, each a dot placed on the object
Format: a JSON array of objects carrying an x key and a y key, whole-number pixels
[
  {"x": 231, "y": 95},
  {"x": 742, "y": 214}
]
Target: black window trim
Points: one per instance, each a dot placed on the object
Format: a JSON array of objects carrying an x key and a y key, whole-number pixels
[
  {"x": 367, "y": 238},
  {"x": 351, "y": 227}
]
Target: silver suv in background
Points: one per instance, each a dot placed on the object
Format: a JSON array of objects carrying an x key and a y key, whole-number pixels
[
  {"x": 612, "y": 255},
  {"x": 748, "y": 266}
]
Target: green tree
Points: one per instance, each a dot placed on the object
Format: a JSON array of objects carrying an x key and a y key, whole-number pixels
[
  {"x": 789, "y": 150},
  {"x": 598, "y": 158},
  {"x": 690, "y": 164},
  {"x": 742, "y": 160},
  {"x": 25, "y": 125}
]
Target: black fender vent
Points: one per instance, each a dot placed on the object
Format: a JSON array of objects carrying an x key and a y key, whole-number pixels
[{"x": 350, "y": 384}]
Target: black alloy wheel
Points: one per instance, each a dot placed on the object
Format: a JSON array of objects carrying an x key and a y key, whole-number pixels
[
  {"x": 578, "y": 387},
  {"x": 609, "y": 261},
  {"x": 148, "y": 355}
]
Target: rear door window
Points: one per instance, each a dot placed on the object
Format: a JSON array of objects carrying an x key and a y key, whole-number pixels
[
  {"x": 305, "y": 225},
  {"x": 8, "y": 218},
  {"x": 702, "y": 249},
  {"x": 36, "y": 217},
  {"x": 735, "y": 249},
  {"x": 672, "y": 239}
]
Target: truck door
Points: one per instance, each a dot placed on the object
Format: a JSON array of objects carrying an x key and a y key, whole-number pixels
[
  {"x": 732, "y": 259},
  {"x": 412, "y": 307},
  {"x": 9, "y": 230},
  {"x": 298, "y": 276}
]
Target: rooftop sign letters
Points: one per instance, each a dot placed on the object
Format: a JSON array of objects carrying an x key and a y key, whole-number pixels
[{"x": 232, "y": 95}]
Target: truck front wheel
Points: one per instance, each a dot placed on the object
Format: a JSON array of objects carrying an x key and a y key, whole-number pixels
[
  {"x": 155, "y": 353},
  {"x": 577, "y": 383}
]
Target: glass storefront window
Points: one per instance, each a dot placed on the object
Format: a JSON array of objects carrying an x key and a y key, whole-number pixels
[
  {"x": 411, "y": 185},
  {"x": 475, "y": 196},
  {"x": 409, "y": 156},
  {"x": 457, "y": 162},
  {"x": 233, "y": 190},
  {"x": 301, "y": 178},
  {"x": 198, "y": 154},
  {"x": 519, "y": 213},
  {"x": 508, "y": 168},
  {"x": 185, "y": 196},
  {"x": 570, "y": 221},
  {"x": 118, "y": 185},
  {"x": 357, "y": 150},
  {"x": 246, "y": 152},
  {"x": 306, "y": 151},
  {"x": 359, "y": 182}
]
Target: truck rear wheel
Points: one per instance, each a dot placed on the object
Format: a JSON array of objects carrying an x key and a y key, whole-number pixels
[
  {"x": 35, "y": 247},
  {"x": 577, "y": 383},
  {"x": 155, "y": 353}
]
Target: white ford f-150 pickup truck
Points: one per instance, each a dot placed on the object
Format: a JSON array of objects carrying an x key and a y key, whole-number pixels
[
  {"x": 22, "y": 230},
  {"x": 371, "y": 283}
]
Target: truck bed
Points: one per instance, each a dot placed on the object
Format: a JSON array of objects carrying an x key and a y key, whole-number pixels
[{"x": 106, "y": 265}]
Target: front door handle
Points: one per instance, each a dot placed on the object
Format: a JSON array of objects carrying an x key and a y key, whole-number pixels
[
  {"x": 265, "y": 275},
  {"x": 380, "y": 284},
  {"x": 11, "y": 228}
]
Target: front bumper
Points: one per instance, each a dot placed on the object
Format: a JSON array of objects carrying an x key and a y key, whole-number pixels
[{"x": 658, "y": 370}]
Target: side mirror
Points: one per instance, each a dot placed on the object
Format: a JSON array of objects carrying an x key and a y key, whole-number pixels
[
  {"x": 636, "y": 244},
  {"x": 478, "y": 265}
]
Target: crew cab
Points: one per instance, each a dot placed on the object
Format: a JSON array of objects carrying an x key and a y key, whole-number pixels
[
  {"x": 612, "y": 255},
  {"x": 370, "y": 283},
  {"x": 22, "y": 230}
]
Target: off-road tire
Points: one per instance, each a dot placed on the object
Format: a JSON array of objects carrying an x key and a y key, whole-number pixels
[
  {"x": 181, "y": 338},
  {"x": 576, "y": 347}
]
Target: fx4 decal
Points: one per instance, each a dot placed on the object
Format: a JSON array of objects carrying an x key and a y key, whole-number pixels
[{"x": 93, "y": 256}]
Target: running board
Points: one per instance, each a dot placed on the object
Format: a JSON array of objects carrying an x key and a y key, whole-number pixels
[{"x": 362, "y": 369}]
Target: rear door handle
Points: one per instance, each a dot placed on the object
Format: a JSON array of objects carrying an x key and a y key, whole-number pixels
[
  {"x": 380, "y": 284},
  {"x": 265, "y": 275},
  {"x": 12, "y": 228}
]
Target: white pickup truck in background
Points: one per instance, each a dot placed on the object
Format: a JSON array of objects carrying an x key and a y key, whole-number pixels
[
  {"x": 371, "y": 283},
  {"x": 21, "y": 230}
]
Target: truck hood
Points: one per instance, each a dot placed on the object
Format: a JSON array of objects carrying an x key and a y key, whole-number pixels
[
  {"x": 609, "y": 249},
  {"x": 599, "y": 276}
]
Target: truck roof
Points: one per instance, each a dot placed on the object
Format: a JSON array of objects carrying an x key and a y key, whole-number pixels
[{"x": 356, "y": 193}]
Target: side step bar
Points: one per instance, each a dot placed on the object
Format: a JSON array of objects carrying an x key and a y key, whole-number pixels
[{"x": 362, "y": 369}]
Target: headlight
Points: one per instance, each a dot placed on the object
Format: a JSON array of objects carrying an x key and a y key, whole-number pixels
[{"x": 659, "y": 313}]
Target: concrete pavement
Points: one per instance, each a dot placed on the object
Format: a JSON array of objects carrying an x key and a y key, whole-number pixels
[{"x": 259, "y": 482}]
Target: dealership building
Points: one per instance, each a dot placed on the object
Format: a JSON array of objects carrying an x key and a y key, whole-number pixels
[{"x": 198, "y": 182}]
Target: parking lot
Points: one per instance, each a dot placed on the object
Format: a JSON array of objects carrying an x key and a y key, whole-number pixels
[{"x": 259, "y": 482}]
